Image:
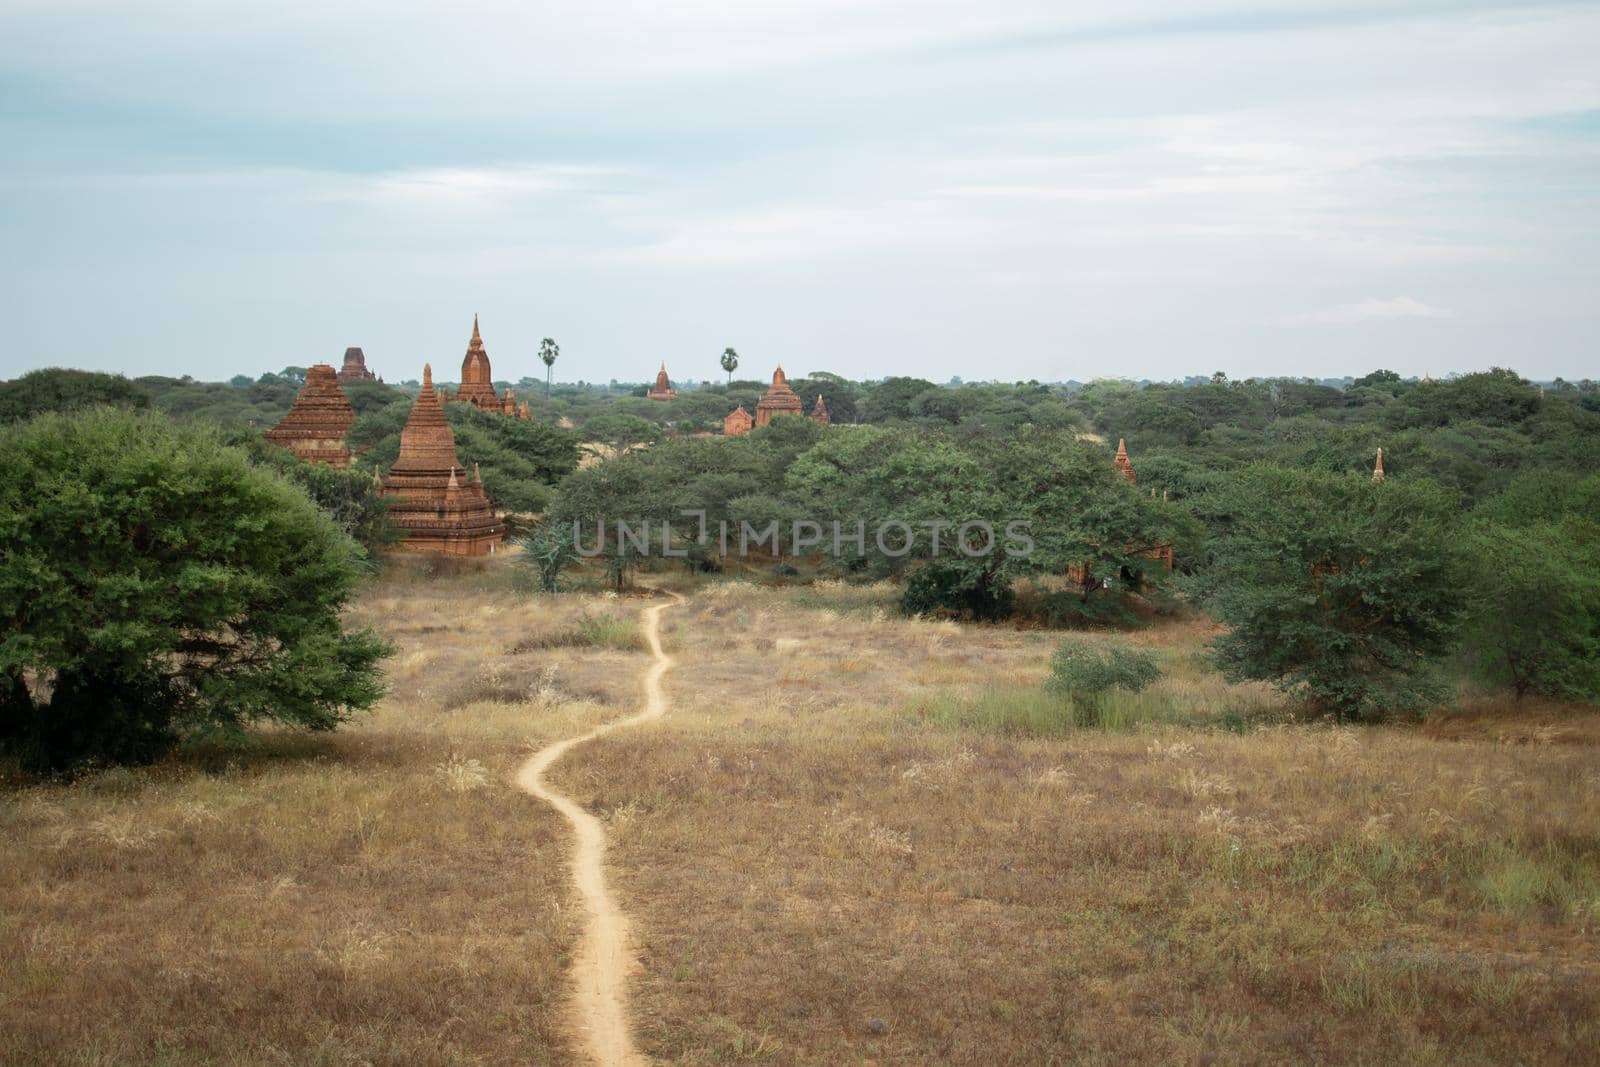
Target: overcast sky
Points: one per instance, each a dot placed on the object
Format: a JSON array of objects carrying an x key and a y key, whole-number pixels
[{"x": 992, "y": 190}]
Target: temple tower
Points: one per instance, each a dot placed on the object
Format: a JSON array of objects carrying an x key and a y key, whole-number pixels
[
  {"x": 1123, "y": 464},
  {"x": 1377, "y": 471},
  {"x": 662, "y": 390},
  {"x": 355, "y": 367},
  {"x": 819, "y": 412},
  {"x": 434, "y": 505},
  {"x": 779, "y": 400},
  {"x": 477, "y": 382},
  {"x": 315, "y": 426}
]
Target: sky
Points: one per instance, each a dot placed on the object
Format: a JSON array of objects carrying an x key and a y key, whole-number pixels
[{"x": 1004, "y": 190}]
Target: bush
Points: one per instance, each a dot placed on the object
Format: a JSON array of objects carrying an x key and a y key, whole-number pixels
[
  {"x": 964, "y": 591},
  {"x": 1086, "y": 674},
  {"x": 547, "y": 549},
  {"x": 156, "y": 585}
]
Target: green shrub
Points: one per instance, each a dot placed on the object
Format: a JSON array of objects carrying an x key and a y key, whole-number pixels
[
  {"x": 1087, "y": 675},
  {"x": 964, "y": 591}
]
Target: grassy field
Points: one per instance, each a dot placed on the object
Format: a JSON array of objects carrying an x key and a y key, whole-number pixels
[{"x": 854, "y": 838}]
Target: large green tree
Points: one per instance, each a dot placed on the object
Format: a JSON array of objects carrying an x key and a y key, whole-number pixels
[
  {"x": 58, "y": 389},
  {"x": 155, "y": 584},
  {"x": 1341, "y": 590}
]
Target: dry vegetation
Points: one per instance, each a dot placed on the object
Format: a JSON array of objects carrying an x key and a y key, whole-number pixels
[
  {"x": 854, "y": 838},
  {"x": 849, "y": 843},
  {"x": 380, "y": 895}
]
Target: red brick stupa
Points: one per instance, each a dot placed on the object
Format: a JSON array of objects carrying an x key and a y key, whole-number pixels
[
  {"x": 435, "y": 506},
  {"x": 662, "y": 390},
  {"x": 779, "y": 400},
  {"x": 477, "y": 384},
  {"x": 1123, "y": 464},
  {"x": 355, "y": 367},
  {"x": 819, "y": 412},
  {"x": 315, "y": 427}
]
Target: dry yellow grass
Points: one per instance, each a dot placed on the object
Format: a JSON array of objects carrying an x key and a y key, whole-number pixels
[
  {"x": 819, "y": 874},
  {"x": 818, "y": 869},
  {"x": 380, "y": 895}
]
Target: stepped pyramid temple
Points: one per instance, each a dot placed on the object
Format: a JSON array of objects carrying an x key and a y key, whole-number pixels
[
  {"x": 355, "y": 367},
  {"x": 315, "y": 427},
  {"x": 477, "y": 382},
  {"x": 737, "y": 423},
  {"x": 434, "y": 504},
  {"x": 779, "y": 400},
  {"x": 819, "y": 412},
  {"x": 662, "y": 390}
]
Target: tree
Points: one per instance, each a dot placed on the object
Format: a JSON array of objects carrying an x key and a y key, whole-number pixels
[
  {"x": 1339, "y": 589},
  {"x": 57, "y": 389},
  {"x": 156, "y": 585},
  {"x": 548, "y": 351},
  {"x": 548, "y": 550},
  {"x": 730, "y": 363},
  {"x": 1536, "y": 620}
]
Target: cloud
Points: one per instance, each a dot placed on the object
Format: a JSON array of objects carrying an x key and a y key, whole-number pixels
[{"x": 1375, "y": 310}]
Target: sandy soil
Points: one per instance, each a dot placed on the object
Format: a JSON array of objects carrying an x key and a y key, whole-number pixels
[{"x": 600, "y": 973}]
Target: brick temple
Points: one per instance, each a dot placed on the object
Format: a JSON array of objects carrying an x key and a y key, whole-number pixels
[
  {"x": 737, "y": 423},
  {"x": 315, "y": 426},
  {"x": 477, "y": 382},
  {"x": 662, "y": 390},
  {"x": 435, "y": 505},
  {"x": 355, "y": 367},
  {"x": 779, "y": 400},
  {"x": 819, "y": 412}
]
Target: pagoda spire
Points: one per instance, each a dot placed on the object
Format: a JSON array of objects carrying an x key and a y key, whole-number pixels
[
  {"x": 475, "y": 335},
  {"x": 1377, "y": 471},
  {"x": 1123, "y": 464}
]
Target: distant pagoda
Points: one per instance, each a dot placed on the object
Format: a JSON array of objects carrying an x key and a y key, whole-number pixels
[
  {"x": 737, "y": 423},
  {"x": 779, "y": 400},
  {"x": 315, "y": 426},
  {"x": 435, "y": 505},
  {"x": 355, "y": 367},
  {"x": 477, "y": 382},
  {"x": 662, "y": 390},
  {"x": 819, "y": 412},
  {"x": 1123, "y": 464}
]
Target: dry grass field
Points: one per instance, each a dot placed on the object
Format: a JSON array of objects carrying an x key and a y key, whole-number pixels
[
  {"x": 383, "y": 894},
  {"x": 854, "y": 838},
  {"x": 851, "y": 842}
]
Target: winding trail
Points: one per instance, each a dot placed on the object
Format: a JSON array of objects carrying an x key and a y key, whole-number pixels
[{"x": 600, "y": 972}]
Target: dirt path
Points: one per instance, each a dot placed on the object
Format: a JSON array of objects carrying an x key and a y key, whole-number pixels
[{"x": 601, "y": 970}]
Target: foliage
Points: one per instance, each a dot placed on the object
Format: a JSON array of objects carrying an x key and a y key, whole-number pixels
[
  {"x": 1535, "y": 626},
  {"x": 1338, "y": 588},
  {"x": 157, "y": 585},
  {"x": 548, "y": 549},
  {"x": 58, "y": 389},
  {"x": 961, "y": 589},
  {"x": 1087, "y": 673}
]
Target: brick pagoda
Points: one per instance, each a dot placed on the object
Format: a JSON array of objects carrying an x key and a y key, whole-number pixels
[
  {"x": 662, "y": 390},
  {"x": 737, "y": 423},
  {"x": 477, "y": 382},
  {"x": 435, "y": 505},
  {"x": 779, "y": 400},
  {"x": 355, "y": 367},
  {"x": 315, "y": 427},
  {"x": 819, "y": 412}
]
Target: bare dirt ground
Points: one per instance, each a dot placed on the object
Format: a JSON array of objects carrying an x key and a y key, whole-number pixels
[{"x": 601, "y": 970}]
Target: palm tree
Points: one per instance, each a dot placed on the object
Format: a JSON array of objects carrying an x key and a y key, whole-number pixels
[
  {"x": 548, "y": 351},
  {"x": 730, "y": 362}
]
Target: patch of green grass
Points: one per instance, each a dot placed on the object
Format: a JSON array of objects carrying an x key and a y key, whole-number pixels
[{"x": 1020, "y": 710}]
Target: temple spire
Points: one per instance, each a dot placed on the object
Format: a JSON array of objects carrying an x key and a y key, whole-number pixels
[
  {"x": 427, "y": 375},
  {"x": 1377, "y": 471},
  {"x": 1123, "y": 464},
  {"x": 475, "y": 335}
]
